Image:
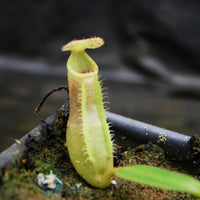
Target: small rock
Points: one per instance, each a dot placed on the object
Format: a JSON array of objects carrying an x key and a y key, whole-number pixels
[{"x": 49, "y": 183}]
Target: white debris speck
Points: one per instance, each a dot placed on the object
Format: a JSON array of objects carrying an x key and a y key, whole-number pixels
[
  {"x": 78, "y": 185},
  {"x": 17, "y": 141},
  {"x": 114, "y": 182}
]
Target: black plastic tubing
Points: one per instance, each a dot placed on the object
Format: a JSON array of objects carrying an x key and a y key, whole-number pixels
[
  {"x": 176, "y": 145},
  {"x": 173, "y": 143}
]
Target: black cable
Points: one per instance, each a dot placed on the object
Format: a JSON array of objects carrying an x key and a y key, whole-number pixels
[{"x": 175, "y": 144}]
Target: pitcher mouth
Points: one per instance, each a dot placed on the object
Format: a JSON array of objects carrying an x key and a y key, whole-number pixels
[
  {"x": 81, "y": 65},
  {"x": 83, "y": 74}
]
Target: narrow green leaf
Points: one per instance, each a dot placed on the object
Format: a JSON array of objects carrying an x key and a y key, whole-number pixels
[{"x": 160, "y": 178}]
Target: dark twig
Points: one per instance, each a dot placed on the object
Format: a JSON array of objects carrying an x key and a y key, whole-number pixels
[{"x": 39, "y": 106}]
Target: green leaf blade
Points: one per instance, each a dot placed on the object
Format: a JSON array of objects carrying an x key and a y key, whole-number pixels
[{"x": 160, "y": 178}]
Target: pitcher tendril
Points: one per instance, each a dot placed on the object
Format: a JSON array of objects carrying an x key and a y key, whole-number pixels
[{"x": 39, "y": 106}]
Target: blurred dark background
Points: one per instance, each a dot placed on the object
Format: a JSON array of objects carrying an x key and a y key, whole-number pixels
[{"x": 150, "y": 60}]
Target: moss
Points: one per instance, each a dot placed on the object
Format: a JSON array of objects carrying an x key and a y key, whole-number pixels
[
  {"x": 41, "y": 167},
  {"x": 17, "y": 180},
  {"x": 195, "y": 152},
  {"x": 21, "y": 184}
]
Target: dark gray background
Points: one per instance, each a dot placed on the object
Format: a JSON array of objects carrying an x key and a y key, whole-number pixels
[{"x": 150, "y": 60}]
